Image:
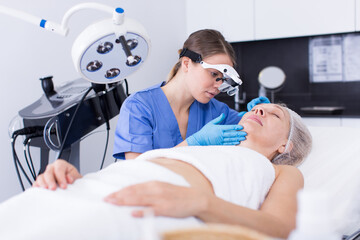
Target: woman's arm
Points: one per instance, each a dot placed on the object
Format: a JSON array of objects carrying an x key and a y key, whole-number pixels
[
  {"x": 134, "y": 130},
  {"x": 164, "y": 198},
  {"x": 131, "y": 155},
  {"x": 276, "y": 216}
]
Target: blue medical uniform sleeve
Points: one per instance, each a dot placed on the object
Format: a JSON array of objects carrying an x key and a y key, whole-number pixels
[
  {"x": 134, "y": 130},
  {"x": 231, "y": 116}
]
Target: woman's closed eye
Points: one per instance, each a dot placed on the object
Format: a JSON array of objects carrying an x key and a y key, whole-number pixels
[{"x": 276, "y": 115}]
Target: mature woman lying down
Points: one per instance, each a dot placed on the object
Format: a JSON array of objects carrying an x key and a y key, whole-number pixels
[{"x": 253, "y": 185}]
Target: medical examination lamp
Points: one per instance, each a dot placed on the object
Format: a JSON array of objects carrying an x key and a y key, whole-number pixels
[{"x": 106, "y": 51}]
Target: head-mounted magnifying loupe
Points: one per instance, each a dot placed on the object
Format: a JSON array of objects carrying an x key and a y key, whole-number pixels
[{"x": 230, "y": 77}]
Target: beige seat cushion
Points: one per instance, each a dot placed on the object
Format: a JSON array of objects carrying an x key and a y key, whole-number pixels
[{"x": 215, "y": 232}]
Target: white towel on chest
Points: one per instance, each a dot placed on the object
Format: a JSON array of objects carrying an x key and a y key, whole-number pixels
[{"x": 238, "y": 175}]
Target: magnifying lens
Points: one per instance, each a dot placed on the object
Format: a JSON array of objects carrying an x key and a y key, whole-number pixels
[{"x": 231, "y": 79}]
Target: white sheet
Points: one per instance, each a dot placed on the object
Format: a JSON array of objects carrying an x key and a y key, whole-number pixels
[
  {"x": 80, "y": 212},
  {"x": 238, "y": 174},
  {"x": 333, "y": 167}
]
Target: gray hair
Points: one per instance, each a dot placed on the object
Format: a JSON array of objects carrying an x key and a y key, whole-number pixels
[{"x": 300, "y": 138}]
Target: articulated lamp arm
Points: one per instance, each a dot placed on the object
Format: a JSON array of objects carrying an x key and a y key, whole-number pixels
[{"x": 62, "y": 29}]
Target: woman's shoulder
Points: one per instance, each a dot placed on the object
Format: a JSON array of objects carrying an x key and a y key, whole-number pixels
[
  {"x": 287, "y": 173},
  {"x": 145, "y": 93},
  {"x": 143, "y": 96},
  {"x": 215, "y": 107},
  {"x": 217, "y": 104},
  {"x": 231, "y": 116}
]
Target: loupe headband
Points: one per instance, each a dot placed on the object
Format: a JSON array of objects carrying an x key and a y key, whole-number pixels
[
  {"x": 230, "y": 78},
  {"x": 229, "y": 73},
  {"x": 195, "y": 57}
]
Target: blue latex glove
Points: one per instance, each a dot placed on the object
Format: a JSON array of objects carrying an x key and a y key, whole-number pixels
[
  {"x": 213, "y": 134},
  {"x": 257, "y": 101},
  {"x": 241, "y": 114}
]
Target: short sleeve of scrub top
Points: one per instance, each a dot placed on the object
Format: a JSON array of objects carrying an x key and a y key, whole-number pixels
[{"x": 146, "y": 121}]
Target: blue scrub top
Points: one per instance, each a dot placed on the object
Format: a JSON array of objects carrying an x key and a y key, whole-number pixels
[{"x": 146, "y": 121}]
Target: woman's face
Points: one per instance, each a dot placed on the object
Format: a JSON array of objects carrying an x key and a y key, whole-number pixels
[
  {"x": 267, "y": 127},
  {"x": 202, "y": 82}
]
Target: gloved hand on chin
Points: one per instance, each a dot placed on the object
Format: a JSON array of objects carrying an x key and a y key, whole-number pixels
[{"x": 214, "y": 134}]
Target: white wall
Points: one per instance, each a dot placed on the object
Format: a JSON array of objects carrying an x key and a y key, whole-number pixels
[{"x": 29, "y": 53}]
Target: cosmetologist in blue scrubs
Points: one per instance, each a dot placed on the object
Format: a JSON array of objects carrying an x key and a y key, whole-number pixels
[
  {"x": 146, "y": 121},
  {"x": 183, "y": 110}
]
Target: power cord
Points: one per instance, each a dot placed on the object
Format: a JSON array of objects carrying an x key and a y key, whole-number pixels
[
  {"x": 104, "y": 108},
  {"x": 106, "y": 146},
  {"x": 36, "y": 130},
  {"x": 127, "y": 87},
  {"x": 72, "y": 120},
  {"x": 27, "y": 155}
]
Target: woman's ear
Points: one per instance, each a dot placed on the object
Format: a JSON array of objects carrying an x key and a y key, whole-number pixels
[
  {"x": 282, "y": 148},
  {"x": 185, "y": 63}
]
